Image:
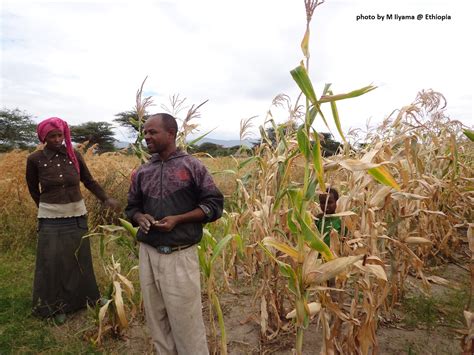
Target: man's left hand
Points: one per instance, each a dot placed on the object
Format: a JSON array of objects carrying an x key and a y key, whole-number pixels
[{"x": 166, "y": 224}]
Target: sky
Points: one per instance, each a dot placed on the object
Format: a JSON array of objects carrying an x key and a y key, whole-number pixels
[{"x": 84, "y": 60}]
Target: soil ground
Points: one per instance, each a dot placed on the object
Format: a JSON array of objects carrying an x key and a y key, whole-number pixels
[
  {"x": 434, "y": 331},
  {"x": 421, "y": 324}
]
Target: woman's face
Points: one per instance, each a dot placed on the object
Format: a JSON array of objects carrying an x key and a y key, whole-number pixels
[{"x": 54, "y": 139}]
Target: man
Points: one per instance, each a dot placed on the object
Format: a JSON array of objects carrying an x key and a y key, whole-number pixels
[
  {"x": 169, "y": 198},
  {"x": 324, "y": 223}
]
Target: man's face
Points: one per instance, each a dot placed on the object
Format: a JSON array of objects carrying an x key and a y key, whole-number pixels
[
  {"x": 156, "y": 137},
  {"x": 54, "y": 139},
  {"x": 327, "y": 203}
]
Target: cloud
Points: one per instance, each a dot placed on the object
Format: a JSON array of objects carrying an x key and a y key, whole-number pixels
[{"x": 86, "y": 60}]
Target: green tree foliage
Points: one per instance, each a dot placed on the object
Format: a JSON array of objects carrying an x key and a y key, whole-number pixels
[
  {"x": 95, "y": 133},
  {"x": 128, "y": 119},
  {"x": 17, "y": 130},
  {"x": 328, "y": 145}
]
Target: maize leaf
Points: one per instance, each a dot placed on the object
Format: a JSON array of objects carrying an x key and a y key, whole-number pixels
[
  {"x": 417, "y": 240},
  {"x": 305, "y": 43},
  {"x": 335, "y": 115},
  {"x": 119, "y": 306},
  {"x": 376, "y": 270},
  {"x": 469, "y": 134},
  {"x": 349, "y": 95},
  {"x": 357, "y": 165},
  {"x": 102, "y": 313},
  {"x": 318, "y": 161},
  {"x": 300, "y": 75},
  {"x": 129, "y": 227},
  {"x": 217, "y": 250},
  {"x": 303, "y": 142},
  {"x": 331, "y": 269},
  {"x": 284, "y": 248},
  {"x": 382, "y": 175}
]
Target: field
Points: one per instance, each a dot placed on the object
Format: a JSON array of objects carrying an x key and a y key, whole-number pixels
[
  {"x": 401, "y": 269},
  {"x": 397, "y": 278}
]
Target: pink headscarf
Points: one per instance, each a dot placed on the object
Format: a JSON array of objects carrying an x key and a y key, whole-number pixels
[{"x": 53, "y": 123}]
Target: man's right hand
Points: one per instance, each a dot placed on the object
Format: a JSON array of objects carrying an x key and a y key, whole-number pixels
[{"x": 145, "y": 221}]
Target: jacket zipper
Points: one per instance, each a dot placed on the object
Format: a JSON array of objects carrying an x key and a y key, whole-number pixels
[{"x": 161, "y": 189}]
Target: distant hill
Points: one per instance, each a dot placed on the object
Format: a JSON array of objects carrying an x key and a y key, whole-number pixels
[
  {"x": 222, "y": 142},
  {"x": 225, "y": 143}
]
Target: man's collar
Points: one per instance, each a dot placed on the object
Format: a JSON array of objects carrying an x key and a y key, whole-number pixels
[{"x": 177, "y": 153}]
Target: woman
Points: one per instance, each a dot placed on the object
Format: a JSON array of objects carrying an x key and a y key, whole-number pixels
[{"x": 64, "y": 279}]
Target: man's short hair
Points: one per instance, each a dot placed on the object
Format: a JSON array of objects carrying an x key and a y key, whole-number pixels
[{"x": 169, "y": 122}]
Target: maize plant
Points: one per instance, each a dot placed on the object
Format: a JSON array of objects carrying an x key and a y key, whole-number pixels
[
  {"x": 208, "y": 251},
  {"x": 117, "y": 305}
]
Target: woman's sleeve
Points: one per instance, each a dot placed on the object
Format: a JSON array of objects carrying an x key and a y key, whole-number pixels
[
  {"x": 32, "y": 180},
  {"x": 88, "y": 181}
]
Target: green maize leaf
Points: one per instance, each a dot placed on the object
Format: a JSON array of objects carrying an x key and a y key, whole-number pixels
[
  {"x": 335, "y": 115},
  {"x": 291, "y": 223},
  {"x": 247, "y": 161},
  {"x": 284, "y": 248},
  {"x": 355, "y": 93},
  {"x": 469, "y": 134},
  {"x": 291, "y": 282},
  {"x": 312, "y": 237},
  {"x": 205, "y": 267},
  {"x": 296, "y": 197},
  {"x": 326, "y": 89},
  {"x": 285, "y": 268},
  {"x": 220, "y": 246},
  {"x": 300, "y": 75},
  {"x": 382, "y": 175},
  {"x": 311, "y": 191},
  {"x": 220, "y": 319},
  {"x": 129, "y": 227},
  {"x": 305, "y": 43},
  {"x": 240, "y": 244},
  {"x": 313, "y": 111},
  {"x": 318, "y": 161},
  {"x": 194, "y": 141},
  {"x": 303, "y": 142}
]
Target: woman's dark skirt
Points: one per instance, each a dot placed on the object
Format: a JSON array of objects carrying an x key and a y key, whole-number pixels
[{"x": 64, "y": 277}]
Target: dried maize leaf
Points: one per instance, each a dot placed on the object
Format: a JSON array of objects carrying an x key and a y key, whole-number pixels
[
  {"x": 417, "y": 240},
  {"x": 313, "y": 307},
  {"x": 119, "y": 305}
]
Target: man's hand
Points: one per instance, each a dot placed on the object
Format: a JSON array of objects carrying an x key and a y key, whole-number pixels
[
  {"x": 145, "y": 221},
  {"x": 166, "y": 224}
]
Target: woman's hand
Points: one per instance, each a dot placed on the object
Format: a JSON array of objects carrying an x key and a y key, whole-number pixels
[{"x": 113, "y": 204}]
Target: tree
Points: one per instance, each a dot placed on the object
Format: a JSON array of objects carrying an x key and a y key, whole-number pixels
[
  {"x": 328, "y": 145},
  {"x": 128, "y": 119},
  {"x": 17, "y": 129},
  {"x": 95, "y": 133}
]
